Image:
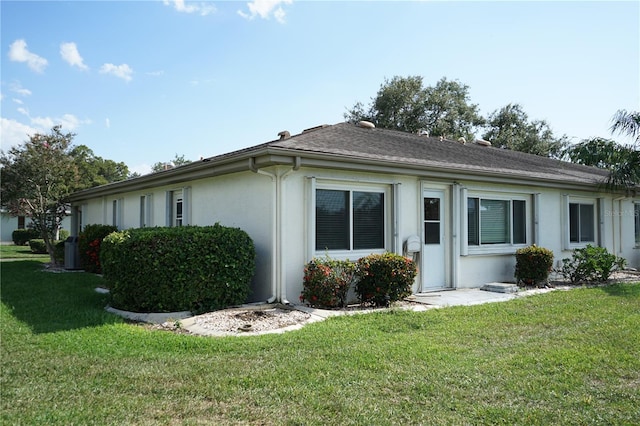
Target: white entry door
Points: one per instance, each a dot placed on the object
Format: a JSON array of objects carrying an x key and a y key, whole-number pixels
[{"x": 433, "y": 254}]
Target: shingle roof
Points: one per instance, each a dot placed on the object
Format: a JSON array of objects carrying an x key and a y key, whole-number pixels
[{"x": 389, "y": 146}]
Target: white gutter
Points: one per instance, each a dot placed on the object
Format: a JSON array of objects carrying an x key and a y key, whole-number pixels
[{"x": 278, "y": 208}]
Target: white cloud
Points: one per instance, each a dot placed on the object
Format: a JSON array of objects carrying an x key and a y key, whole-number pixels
[
  {"x": 16, "y": 87},
  {"x": 201, "y": 8},
  {"x": 18, "y": 52},
  {"x": 122, "y": 71},
  {"x": 69, "y": 52},
  {"x": 155, "y": 73},
  {"x": 107, "y": 123},
  {"x": 142, "y": 169},
  {"x": 18, "y": 101},
  {"x": 23, "y": 111},
  {"x": 13, "y": 133},
  {"x": 265, "y": 9}
]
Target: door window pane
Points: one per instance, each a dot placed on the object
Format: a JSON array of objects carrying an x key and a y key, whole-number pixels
[{"x": 432, "y": 209}]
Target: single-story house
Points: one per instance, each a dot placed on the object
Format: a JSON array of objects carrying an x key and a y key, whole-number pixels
[
  {"x": 461, "y": 210},
  {"x": 9, "y": 223}
]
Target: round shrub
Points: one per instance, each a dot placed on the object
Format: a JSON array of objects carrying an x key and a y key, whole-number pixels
[
  {"x": 191, "y": 268},
  {"x": 37, "y": 246},
  {"x": 89, "y": 244},
  {"x": 384, "y": 278},
  {"x": 533, "y": 265},
  {"x": 21, "y": 237},
  {"x": 326, "y": 282},
  {"x": 591, "y": 263}
]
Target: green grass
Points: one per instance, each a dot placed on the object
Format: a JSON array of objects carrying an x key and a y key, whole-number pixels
[
  {"x": 12, "y": 251},
  {"x": 566, "y": 357}
]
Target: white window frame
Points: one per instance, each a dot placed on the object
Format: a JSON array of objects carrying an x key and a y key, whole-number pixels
[
  {"x": 384, "y": 189},
  {"x": 175, "y": 197},
  {"x": 497, "y": 248},
  {"x": 145, "y": 210},
  {"x": 593, "y": 202},
  {"x": 117, "y": 209}
]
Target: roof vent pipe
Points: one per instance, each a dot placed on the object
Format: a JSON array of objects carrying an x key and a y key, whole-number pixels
[
  {"x": 366, "y": 124},
  {"x": 482, "y": 142},
  {"x": 284, "y": 135}
]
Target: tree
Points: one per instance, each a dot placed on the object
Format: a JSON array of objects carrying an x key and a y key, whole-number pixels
[
  {"x": 177, "y": 161},
  {"x": 405, "y": 104},
  {"x": 622, "y": 161},
  {"x": 627, "y": 123},
  {"x": 95, "y": 170},
  {"x": 36, "y": 178},
  {"x": 509, "y": 127}
]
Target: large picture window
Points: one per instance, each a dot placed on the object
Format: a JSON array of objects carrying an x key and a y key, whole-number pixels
[
  {"x": 493, "y": 221},
  {"x": 349, "y": 220},
  {"x": 581, "y": 223}
]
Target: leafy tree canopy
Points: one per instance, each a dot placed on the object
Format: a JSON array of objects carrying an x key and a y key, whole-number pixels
[
  {"x": 95, "y": 170},
  {"x": 509, "y": 127},
  {"x": 405, "y": 104},
  {"x": 37, "y": 177},
  {"x": 176, "y": 162}
]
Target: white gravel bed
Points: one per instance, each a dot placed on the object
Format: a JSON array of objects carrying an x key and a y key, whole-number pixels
[{"x": 249, "y": 320}]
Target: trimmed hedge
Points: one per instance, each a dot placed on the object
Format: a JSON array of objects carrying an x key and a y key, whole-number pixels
[
  {"x": 38, "y": 246},
  {"x": 191, "y": 268},
  {"x": 21, "y": 237},
  {"x": 384, "y": 278},
  {"x": 89, "y": 243}
]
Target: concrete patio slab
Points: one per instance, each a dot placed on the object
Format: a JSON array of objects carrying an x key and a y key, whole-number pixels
[{"x": 470, "y": 296}]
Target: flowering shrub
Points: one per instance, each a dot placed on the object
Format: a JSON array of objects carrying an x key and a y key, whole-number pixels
[
  {"x": 384, "y": 278},
  {"x": 326, "y": 282},
  {"x": 89, "y": 245},
  {"x": 533, "y": 264}
]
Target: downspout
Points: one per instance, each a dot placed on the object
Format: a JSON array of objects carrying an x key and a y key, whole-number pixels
[
  {"x": 617, "y": 217},
  {"x": 281, "y": 209},
  {"x": 274, "y": 272},
  {"x": 277, "y": 260}
]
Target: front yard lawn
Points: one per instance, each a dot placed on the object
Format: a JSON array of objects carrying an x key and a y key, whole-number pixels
[
  {"x": 12, "y": 251},
  {"x": 565, "y": 357}
]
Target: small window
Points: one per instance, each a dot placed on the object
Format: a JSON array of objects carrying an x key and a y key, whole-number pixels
[
  {"x": 581, "y": 223},
  {"x": 492, "y": 222},
  {"x": 114, "y": 213},
  {"x": 178, "y": 209},
  {"x": 349, "y": 220},
  {"x": 21, "y": 222},
  {"x": 143, "y": 214}
]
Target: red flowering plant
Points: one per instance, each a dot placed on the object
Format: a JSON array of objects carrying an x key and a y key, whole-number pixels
[
  {"x": 326, "y": 282},
  {"x": 89, "y": 246},
  {"x": 384, "y": 278}
]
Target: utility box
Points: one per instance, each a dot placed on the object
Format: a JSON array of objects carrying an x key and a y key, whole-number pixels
[{"x": 71, "y": 253}]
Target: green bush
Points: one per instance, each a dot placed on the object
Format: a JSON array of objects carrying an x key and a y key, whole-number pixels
[
  {"x": 591, "y": 264},
  {"x": 384, "y": 278},
  {"x": 191, "y": 268},
  {"x": 327, "y": 281},
  {"x": 38, "y": 246},
  {"x": 533, "y": 265},
  {"x": 89, "y": 243},
  {"x": 21, "y": 237},
  {"x": 58, "y": 252}
]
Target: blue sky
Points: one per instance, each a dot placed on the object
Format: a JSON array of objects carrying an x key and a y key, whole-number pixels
[{"x": 140, "y": 82}]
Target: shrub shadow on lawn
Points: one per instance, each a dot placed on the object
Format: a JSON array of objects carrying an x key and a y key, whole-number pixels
[
  {"x": 622, "y": 290},
  {"x": 49, "y": 302}
]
